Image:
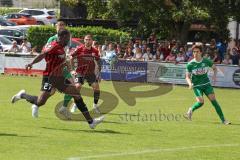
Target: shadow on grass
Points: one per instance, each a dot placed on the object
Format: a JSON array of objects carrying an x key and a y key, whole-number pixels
[
  {"x": 12, "y": 135},
  {"x": 106, "y": 131}
]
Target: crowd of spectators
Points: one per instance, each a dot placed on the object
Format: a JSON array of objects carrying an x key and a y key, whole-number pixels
[
  {"x": 24, "y": 49},
  {"x": 171, "y": 51},
  {"x": 152, "y": 49}
]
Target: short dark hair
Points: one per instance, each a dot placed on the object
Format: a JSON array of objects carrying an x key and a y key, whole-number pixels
[
  {"x": 60, "y": 22},
  {"x": 63, "y": 32},
  {"x": 89, "y": 35},
  {"x": 197, "y": 47}
]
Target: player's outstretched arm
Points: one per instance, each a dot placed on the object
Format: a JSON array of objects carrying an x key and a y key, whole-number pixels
[
  {"x": 37, "y": 59},
  {"x": 188, "y": 79}
]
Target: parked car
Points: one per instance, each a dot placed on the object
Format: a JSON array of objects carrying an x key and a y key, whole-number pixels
[
  {"x": 13, "y": 34},
  {"x": 22, "y": 28},
  {"x": 5, "y": 43},
  {"x": 5, "y": 22},
  {"x": 43, "y": 16},
  {"x": 21, "y": 18}
]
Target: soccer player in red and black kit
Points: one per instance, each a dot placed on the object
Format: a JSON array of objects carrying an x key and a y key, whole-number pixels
[
  {"x": 53, "y": 79},
  {"x": 88, "y": 68}
]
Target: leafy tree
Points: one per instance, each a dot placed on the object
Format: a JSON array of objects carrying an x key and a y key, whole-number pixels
[{"x": 169, "y": 18}]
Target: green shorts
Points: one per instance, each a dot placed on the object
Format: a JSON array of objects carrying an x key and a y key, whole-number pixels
[{"x": 206, "y": 89}]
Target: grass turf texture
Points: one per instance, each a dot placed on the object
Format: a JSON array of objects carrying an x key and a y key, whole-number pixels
[{"x": 143, "y": 137}]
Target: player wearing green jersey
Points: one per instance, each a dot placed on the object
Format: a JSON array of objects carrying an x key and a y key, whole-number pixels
[{"x": 197, "y": 79}]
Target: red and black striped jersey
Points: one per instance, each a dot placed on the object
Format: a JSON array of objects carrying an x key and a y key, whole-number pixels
[
  {"x": 55, "y": 59},
  {"x": 85, "y": 59}
]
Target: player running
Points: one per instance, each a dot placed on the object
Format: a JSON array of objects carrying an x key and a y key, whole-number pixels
[
  {"x": 88, "y": 68},
  {"x": 53, "y": 79},
  {"x": 67, "y": 98},
  {"x": 197, "y": 79}
]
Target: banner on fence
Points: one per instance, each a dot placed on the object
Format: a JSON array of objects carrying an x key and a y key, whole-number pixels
[
  {"x": 125, "y": 71},
  {"x": 227, "y": 76}
]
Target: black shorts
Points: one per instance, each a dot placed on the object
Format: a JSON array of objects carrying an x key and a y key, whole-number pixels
[
  {"x": 46, "y": 85},
  {"x": 90, "y": 79},
  {"x": 49, "y": 82}
]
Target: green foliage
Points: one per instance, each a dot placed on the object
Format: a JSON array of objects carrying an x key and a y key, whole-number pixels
[
  {"x": 168, "y": 18},
  {"x": 6, "y": 10},
  {"x": 38, "y": 36}
]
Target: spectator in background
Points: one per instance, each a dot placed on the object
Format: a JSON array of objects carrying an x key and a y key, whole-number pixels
[
  {"x": 135, "y": 46},
  {"x": 25, "y": 47},
  {"x": 222, "y": 49},
  {"x": 158, "y": 56},
  {"x": 180, "y": 57},
  {"x": 15, "y": 48},
  {"x": 151, "y": 41},
  {"x": 111, "y": 50},
  {"x": 100, "y": 50},
  {"x": 206, "y": 55},
  {"x": 164, "y": 49},
  {"x": 119, "y": 52},
  {"x": 138, "y": 55},
  {"x": 235, "y": 56},
  {"x": 171, "y": 57},
  {"x": 128, "y": 53},
  {"x": 148, "y": 55},
  {"x": 212, "y": 48},
  {"x": 227, "y": 60},
  {"x": 104, "y": 48},
  {"x": 154, "y": 50},
  {"x": 189, "y": 54},
  {"x": 144, "y": 48},
  {"x": 216, "y": 58}
]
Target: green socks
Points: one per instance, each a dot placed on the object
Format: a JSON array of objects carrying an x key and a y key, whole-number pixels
[
  {"x": 67, "y": 99},
  {"x": 196, "y": 105},
  {"x": 218, "y": 110}
]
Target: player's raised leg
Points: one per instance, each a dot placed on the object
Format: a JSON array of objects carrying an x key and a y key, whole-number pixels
[{"x": 37, "y": 101}]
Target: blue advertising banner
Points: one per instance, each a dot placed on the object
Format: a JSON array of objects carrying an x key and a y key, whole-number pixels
[{"x": 123, "y": 70}]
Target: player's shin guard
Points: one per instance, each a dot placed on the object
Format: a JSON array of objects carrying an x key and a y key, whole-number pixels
[
  {"x": 218, "y": 110},
  {"x": 67, "y": 99},
  {"x": 82, "y": 107},
  {"x": 96, "y": 96},
  {"x": 196, "y": 106},
  {"x": 29, "y": 98}
]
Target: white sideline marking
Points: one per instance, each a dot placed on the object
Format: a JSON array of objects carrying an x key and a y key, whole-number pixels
[{"x": 150, "y": 151}]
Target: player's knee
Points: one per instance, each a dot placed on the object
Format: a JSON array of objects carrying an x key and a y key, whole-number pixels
[
  {"x": 201, "y": 101},
  {"x": 212, "y": 97},
  {"x": 40, "y": 103}
]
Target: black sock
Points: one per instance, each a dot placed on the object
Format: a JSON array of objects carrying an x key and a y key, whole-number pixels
[
  {"x": 96, "y": 96},
  {"x": 29, "y": 98},
  {"x": 82, "y": 107}
]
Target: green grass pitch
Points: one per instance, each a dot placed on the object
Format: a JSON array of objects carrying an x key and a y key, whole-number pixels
[{"x": 153, "y": 128}]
